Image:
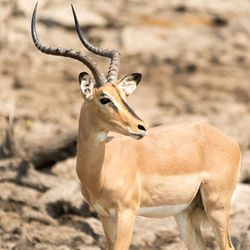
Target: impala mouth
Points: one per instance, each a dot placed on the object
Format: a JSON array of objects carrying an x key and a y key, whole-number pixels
[{"x": 138, "y": 136}]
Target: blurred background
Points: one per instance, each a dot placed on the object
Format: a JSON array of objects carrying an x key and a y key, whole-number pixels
[{"x": 195, "y": 61}]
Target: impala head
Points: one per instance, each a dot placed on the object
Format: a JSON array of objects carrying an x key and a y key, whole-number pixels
[
  {"x": 105, "y": 97},
  {"x": 108, "y": 104}
]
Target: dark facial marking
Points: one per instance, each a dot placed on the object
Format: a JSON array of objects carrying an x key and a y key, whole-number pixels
[
  {"x": 111, "y": 104},
  {"x": 114, "y": 108},
  {"x": 131, "y": 111}
]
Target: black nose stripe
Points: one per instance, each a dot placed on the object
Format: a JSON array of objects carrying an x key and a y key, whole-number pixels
[{"x": 131, "y": 111}]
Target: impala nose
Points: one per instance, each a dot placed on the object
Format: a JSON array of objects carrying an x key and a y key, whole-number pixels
[
  {"x": 141, "y": 127},
  {"x": 142, "y": 131}
]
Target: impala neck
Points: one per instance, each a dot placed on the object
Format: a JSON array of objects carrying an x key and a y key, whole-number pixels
[{"x": 91, "y": 146}]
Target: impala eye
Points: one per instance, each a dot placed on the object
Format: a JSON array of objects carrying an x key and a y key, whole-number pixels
[{"x": 104, "y": 100}]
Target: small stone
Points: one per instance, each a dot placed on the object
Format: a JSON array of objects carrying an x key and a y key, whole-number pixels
[
  {"x": 219, "y": 21},
  {"x": 62, "y": 16},
  {"x": 180, "y": 8}
]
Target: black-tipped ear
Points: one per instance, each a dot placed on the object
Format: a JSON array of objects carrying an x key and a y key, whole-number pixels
[
  {"x": 86, "y": 84},
  {"x": 83, "y": 75},
  {"x": 137, "y": 77},
  {"x": 129, "y": 83}
]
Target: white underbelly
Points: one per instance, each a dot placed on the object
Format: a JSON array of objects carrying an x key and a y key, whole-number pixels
[{"x": 161, "y": 211}]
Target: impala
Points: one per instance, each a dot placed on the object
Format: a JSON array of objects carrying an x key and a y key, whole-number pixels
[{"x": 188, "y": 170}]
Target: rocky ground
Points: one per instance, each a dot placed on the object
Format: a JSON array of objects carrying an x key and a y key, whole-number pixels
[{"x": 195, "y": 60}]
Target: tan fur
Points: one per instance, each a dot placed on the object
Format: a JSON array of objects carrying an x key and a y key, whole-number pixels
[
  {"x": 181, "y": 163},
  {"x": 179, "y": 169}
]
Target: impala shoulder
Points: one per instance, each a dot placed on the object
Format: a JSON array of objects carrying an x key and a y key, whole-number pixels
[{"x": 216, "y": 138}]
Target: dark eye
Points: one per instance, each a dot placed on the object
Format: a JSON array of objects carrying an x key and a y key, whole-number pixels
[{"x": 104, "y": 100}]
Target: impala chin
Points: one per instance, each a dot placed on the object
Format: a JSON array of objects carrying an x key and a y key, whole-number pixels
[{"x": 138, "y": 136}]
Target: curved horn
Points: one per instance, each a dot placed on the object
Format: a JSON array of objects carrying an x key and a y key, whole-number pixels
[
  {"x": 98, "y": 75},
  {"x": 114, "y": 55}
]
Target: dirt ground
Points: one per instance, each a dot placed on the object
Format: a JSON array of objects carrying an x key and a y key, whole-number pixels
[{"x": 195, "y": 60}]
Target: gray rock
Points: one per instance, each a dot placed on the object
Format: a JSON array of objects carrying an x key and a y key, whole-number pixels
[
  {"x": 62, "y": 16},
  {"x": 65, "y": 190},
  {"x": 65, "y": 198},
  {"x": 24, "y": 7},
  {"x": 245, "y": 170},
  {"x": 19, "y": 194},
  {"x": 138, "y": 40},
  {"x": 244, "y": 241},
  {"x": 66, "y": 169},
  {"x": 64, "y": 236},
  {"x": 9, "y": 221},
  {"x": 95, "y": 225},
  {"x": 31, "y": 215}
]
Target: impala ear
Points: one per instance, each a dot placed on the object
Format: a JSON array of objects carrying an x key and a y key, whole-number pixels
[
  {"x": 129, "y": 83},
  {"x": 86, "y": 84}
]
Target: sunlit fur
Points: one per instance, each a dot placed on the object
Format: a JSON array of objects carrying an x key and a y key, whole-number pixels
[
  {"x": 115, "y": 116},
  {"x": 175, "y": 164},
  {"x": 189, "y": 166}
]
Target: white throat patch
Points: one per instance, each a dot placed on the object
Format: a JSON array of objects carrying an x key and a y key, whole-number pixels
[{"x": 101, "y": 137}]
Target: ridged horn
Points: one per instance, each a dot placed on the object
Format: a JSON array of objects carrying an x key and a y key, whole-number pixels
[
  {"x": 98, "y": 75},
  {"x": 114, "y": 55}
]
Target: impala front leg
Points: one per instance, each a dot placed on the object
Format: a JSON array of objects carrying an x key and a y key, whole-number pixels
[{"x": 118, "y": 230}]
